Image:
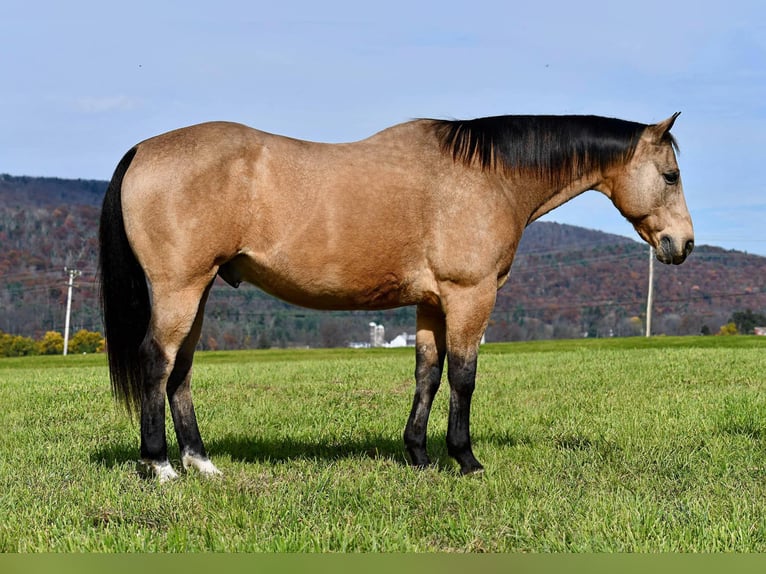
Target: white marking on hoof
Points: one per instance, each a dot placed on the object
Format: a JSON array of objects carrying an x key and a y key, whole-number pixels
[
  {"x": 162, "y": 470},
  {"x": 203, "y": 465}
]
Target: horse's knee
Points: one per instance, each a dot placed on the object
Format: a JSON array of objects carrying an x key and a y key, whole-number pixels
[{"x": 462, "y": 375}]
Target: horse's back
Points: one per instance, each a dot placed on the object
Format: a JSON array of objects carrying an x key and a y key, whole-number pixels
[{"x": 323, "y": 225}]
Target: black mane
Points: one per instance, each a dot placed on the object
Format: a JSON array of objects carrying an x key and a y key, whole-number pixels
[{"x": 557, "y": 148}]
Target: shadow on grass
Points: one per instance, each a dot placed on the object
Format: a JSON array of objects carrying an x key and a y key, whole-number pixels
[
  {"x": 504, "y": 438},
  {"x": 250, "y": 449},
  {"x": 258, "y": 449},
  {"x": 241, "y": 447},
  {"x": 115, "y": 454},
  {"x": 247, "y": 449}
]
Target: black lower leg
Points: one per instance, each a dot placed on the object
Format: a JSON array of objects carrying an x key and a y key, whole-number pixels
[
  {"x": 179, "y": 389},
  {"x": 182, "y": 410},
  {"x": 428, "y": 377},
  {"x": 462, "y": 380},
  {"x": 154, "y": 446}
]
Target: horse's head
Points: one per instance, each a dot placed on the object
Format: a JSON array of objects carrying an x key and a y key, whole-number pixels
[{"x": 648, "y": 192}]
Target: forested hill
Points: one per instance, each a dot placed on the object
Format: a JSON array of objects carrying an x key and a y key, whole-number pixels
[
  {"x": 49, "y": 192},
  {"x": 566, "y": 281}
]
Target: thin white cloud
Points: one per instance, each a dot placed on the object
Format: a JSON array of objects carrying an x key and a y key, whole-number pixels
[{"x": 100, "y": 105}]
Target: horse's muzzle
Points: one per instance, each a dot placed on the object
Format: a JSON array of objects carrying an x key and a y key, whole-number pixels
[{"x": 671, "y": 251}]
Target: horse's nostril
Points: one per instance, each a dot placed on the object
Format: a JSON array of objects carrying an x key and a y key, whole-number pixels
[
  {"x": 666, "y": 245},
  {"x": 689, "y": 247}
]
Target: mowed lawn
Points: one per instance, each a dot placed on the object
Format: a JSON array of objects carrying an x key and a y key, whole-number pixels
[{"x": 613, "y": 445}]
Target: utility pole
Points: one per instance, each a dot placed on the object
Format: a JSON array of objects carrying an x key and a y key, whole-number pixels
[
  {"x": 72, "y": 274},
  {"x": 650, "y": 295}
]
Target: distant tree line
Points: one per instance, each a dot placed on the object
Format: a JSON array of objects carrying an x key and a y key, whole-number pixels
[
  {"x": 743, "y": 323},
  {"x": 51, "y": 343},
  {"x": 341, "y": 330}
]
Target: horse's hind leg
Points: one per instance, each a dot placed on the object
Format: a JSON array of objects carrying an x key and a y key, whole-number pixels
[
  {"x": 174, "y": 313},
  {"x": 154, "y": 448},
  {"x": 190, "y": 443},
  {"x": 429, "y": 361}
]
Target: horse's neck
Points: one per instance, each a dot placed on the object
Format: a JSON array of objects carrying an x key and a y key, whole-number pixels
[{"x": 561, "y": 196}]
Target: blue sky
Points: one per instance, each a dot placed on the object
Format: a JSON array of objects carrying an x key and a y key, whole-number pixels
[{"x": 82, "y": 81}]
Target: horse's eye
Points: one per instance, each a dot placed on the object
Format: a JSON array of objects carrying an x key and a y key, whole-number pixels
[{"x": 671, "y": 178}]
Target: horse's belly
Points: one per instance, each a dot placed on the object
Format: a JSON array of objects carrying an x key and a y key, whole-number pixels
[{"x": 327, "y": 286}]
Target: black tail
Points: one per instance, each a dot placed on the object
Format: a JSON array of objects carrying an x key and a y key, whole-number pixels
[{"x": 125, "y": 302}]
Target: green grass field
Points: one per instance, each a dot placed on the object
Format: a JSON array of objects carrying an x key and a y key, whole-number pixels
[{"x": 609, "y": 445}]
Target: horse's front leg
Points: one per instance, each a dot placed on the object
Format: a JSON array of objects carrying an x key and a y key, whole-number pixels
[
  {"x": 429, "y": 362},
  {"x": 461, "y": 371},
  {"x": 467, "y": 316}
]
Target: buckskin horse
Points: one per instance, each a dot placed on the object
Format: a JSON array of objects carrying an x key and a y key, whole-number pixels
[{"x": 426, "y": 213}]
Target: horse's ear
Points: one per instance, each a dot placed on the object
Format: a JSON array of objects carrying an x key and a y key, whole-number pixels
[{"x": 657, "y": 132}]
